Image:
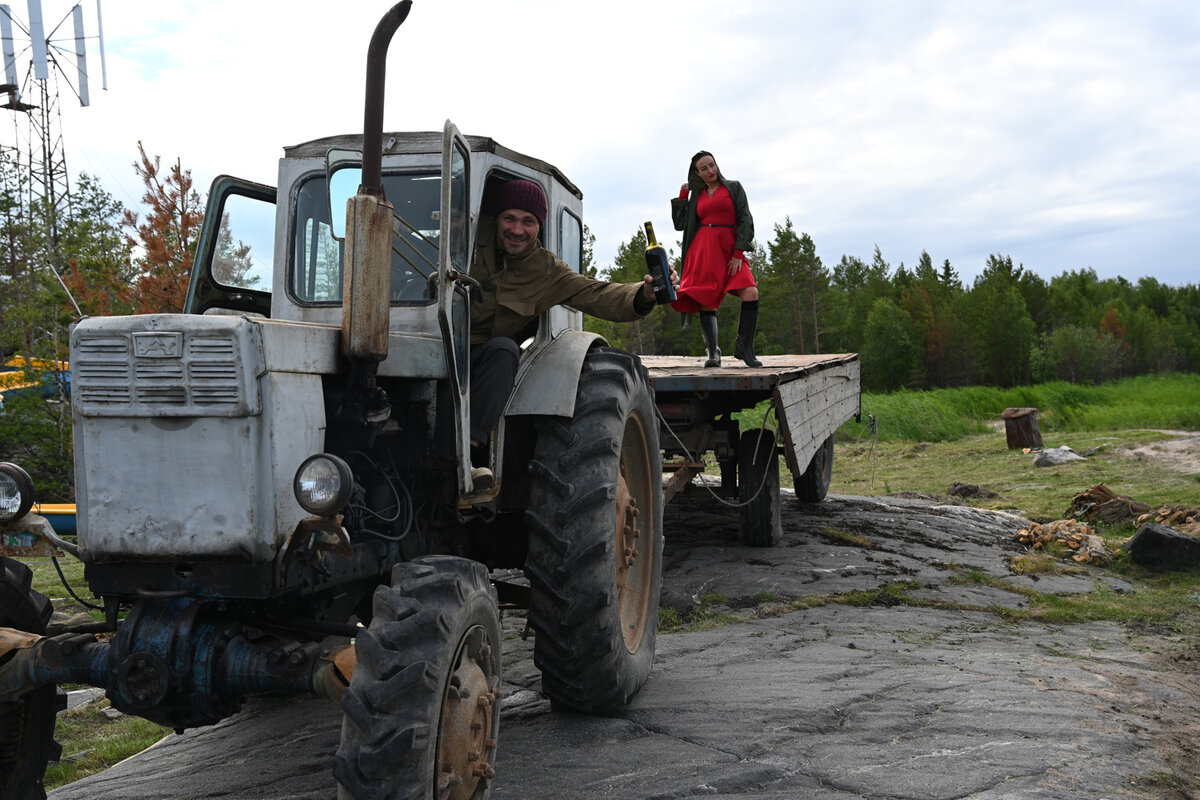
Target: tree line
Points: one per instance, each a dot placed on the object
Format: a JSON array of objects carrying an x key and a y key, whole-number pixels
[
  {"x": 922, "y": 327},
  {"x": 95, "y": 258},
  {"x": 918, "y": 327}
]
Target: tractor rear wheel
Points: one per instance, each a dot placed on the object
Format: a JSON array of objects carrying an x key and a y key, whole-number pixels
[
  {"x": 595, "y": 538},
  {"x": 27, "y": 724},
  {"x": 421, "y": 712}
]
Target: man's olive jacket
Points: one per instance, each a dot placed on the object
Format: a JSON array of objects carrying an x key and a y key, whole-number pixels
[{"x": 514, "y": 291}]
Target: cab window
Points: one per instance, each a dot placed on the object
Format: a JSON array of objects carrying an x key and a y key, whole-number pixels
[
  {"x": 570, "y": 240},
  {"x": 316, "y": 257}
]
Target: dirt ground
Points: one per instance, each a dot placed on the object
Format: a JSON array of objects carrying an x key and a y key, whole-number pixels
[{"x": 1178, "y": 455}]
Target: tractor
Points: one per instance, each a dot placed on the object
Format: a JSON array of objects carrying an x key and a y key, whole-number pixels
[{"x": 273, "y": 488}]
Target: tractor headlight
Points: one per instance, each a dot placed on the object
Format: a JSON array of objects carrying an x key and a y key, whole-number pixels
[
  {"x": 323, "y": 484},
  {"x": 16, "y": 492}
]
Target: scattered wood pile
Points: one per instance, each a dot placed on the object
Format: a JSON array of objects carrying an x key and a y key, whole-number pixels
[
  {"x": 1181, "y": 518},
  {"x": 1074, "y": 535},
  {"x": 1101, "y": 504}
]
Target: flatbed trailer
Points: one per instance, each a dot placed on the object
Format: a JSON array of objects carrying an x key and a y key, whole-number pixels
[{"x": 813, "y": 395}]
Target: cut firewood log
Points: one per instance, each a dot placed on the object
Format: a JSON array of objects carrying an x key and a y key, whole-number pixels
[{"x": 1071, "y": 534}]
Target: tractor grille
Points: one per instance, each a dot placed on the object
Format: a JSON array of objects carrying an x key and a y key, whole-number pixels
[{"x": 161, "y": 372}]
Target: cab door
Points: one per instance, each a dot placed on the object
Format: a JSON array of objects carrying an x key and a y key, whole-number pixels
[
  {"x": 454, "y": 262},
  {"x": 235, "y": 253}
]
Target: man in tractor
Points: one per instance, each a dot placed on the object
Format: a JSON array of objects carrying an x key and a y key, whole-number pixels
[{"x": 518, "y": 280}]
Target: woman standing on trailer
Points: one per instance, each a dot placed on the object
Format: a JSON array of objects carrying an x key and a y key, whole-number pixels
[{"x": 717, "y": 230}]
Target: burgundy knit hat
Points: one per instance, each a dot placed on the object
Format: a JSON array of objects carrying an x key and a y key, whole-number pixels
[{"x": 525, "y": 195}]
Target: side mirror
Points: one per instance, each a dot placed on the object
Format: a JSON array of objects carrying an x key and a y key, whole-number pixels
[{"x": 343, "y": 175}]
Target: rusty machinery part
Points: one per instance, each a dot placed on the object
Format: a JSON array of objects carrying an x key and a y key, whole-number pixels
[
  {"x": 595, "y": 538},
  {"x": 421, "y": 712},
  {"x": 760, "y": 523},
  {"x": 813, "y": 484},
  {"x": 26, "y": 724}
]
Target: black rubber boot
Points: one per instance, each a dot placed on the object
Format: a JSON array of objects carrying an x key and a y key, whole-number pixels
[
  {"x": 743, "y": 346},
  {"x": 708, "y": 329}
]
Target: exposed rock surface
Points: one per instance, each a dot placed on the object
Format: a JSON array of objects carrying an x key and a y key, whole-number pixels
[{"x": 942, "y": 699}]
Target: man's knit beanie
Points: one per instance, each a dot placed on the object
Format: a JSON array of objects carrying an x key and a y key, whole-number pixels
[{"x": 525, "y": 195}]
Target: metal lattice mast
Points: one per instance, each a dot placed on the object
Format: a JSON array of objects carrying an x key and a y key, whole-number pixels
[{"x": 50, "y": 186}]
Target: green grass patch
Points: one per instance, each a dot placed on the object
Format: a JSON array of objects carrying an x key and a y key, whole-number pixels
[
  {"x": 1043, "y": 493},
  {"x": 1162, "y": 601},
  {"x": 1167, "y": 602},
  {"x": 944, "y": 415},
  {"x": 92, "y": 742},
  {"x": 847, "y": 537},
  {"x": 1036, "y": 563},
  {"x": 1165, "y": 784},
  {"x": 47, "y": 582},
  {"x": 699, "y": 619}
]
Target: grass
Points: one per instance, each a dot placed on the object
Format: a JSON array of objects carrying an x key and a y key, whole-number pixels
[
  {"x": 47, "y": 582},
  {"x": 946, "y": 415},
  {"x": 92, "y": 741},
  {"x": 847, "y": 537},
  {"x": 1161, "y": 602},
  {"x": 1043, "y": 493}
]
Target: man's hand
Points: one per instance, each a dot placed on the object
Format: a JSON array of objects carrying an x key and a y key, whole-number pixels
[{"x": 648, "y": 284}]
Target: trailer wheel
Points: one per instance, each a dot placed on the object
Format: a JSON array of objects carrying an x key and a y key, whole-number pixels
[
  {"x": 813, "y": 485},
  {"x": 26, "y": 725},
  {"x": 758, "y": 489},
  {"x": 421, "y": 717},
  {"x": 595, "y": 538}
]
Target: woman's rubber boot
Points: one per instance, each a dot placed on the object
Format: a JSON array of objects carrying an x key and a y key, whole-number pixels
[
  {"x": 708, "y": 329},
  {"x": 743, "y": 346}
]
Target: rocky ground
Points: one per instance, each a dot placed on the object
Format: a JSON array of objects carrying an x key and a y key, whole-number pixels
[{"x": 947, "y": 698}]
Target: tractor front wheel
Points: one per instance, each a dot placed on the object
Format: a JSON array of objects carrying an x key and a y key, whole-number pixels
[{"x": 421, "y": 712}]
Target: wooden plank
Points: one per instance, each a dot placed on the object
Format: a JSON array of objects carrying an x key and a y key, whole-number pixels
[
  {"x": 684, "y": 472},
  {"x": 685, "y": 373},
  {"x": 811, "y": 410}
]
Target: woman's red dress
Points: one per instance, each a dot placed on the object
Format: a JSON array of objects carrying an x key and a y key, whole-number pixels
[{"x": 706, "y": 280}]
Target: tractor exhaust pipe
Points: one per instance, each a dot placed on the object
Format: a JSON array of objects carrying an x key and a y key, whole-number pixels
[
  {"x": 366, "y": 287},
  {"x": 372, "y": 168}
]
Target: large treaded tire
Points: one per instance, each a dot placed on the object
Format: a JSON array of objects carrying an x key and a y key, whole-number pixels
[
  {"x": 759, "y": 519},
  {"x": 421, "y": 718},
  {"x": 813, "y": 485},
  {"x": 26, "y": 725},
  {"x": 595, "y": 538}
]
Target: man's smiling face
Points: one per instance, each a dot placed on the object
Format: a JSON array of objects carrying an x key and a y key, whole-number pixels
[{"x": 518, "y": 229}]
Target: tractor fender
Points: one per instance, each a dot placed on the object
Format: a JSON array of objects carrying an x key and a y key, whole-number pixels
[{"x": 548, "y": 377}]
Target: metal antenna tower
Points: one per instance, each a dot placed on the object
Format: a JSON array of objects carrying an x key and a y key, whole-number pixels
[{"x": 49, "y": 188}]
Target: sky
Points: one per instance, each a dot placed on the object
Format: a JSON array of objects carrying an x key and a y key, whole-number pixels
[{"x": 1064, "y": 134}]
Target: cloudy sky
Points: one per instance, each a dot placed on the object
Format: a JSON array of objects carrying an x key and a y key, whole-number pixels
[{"x": 1065, "y": 134}]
